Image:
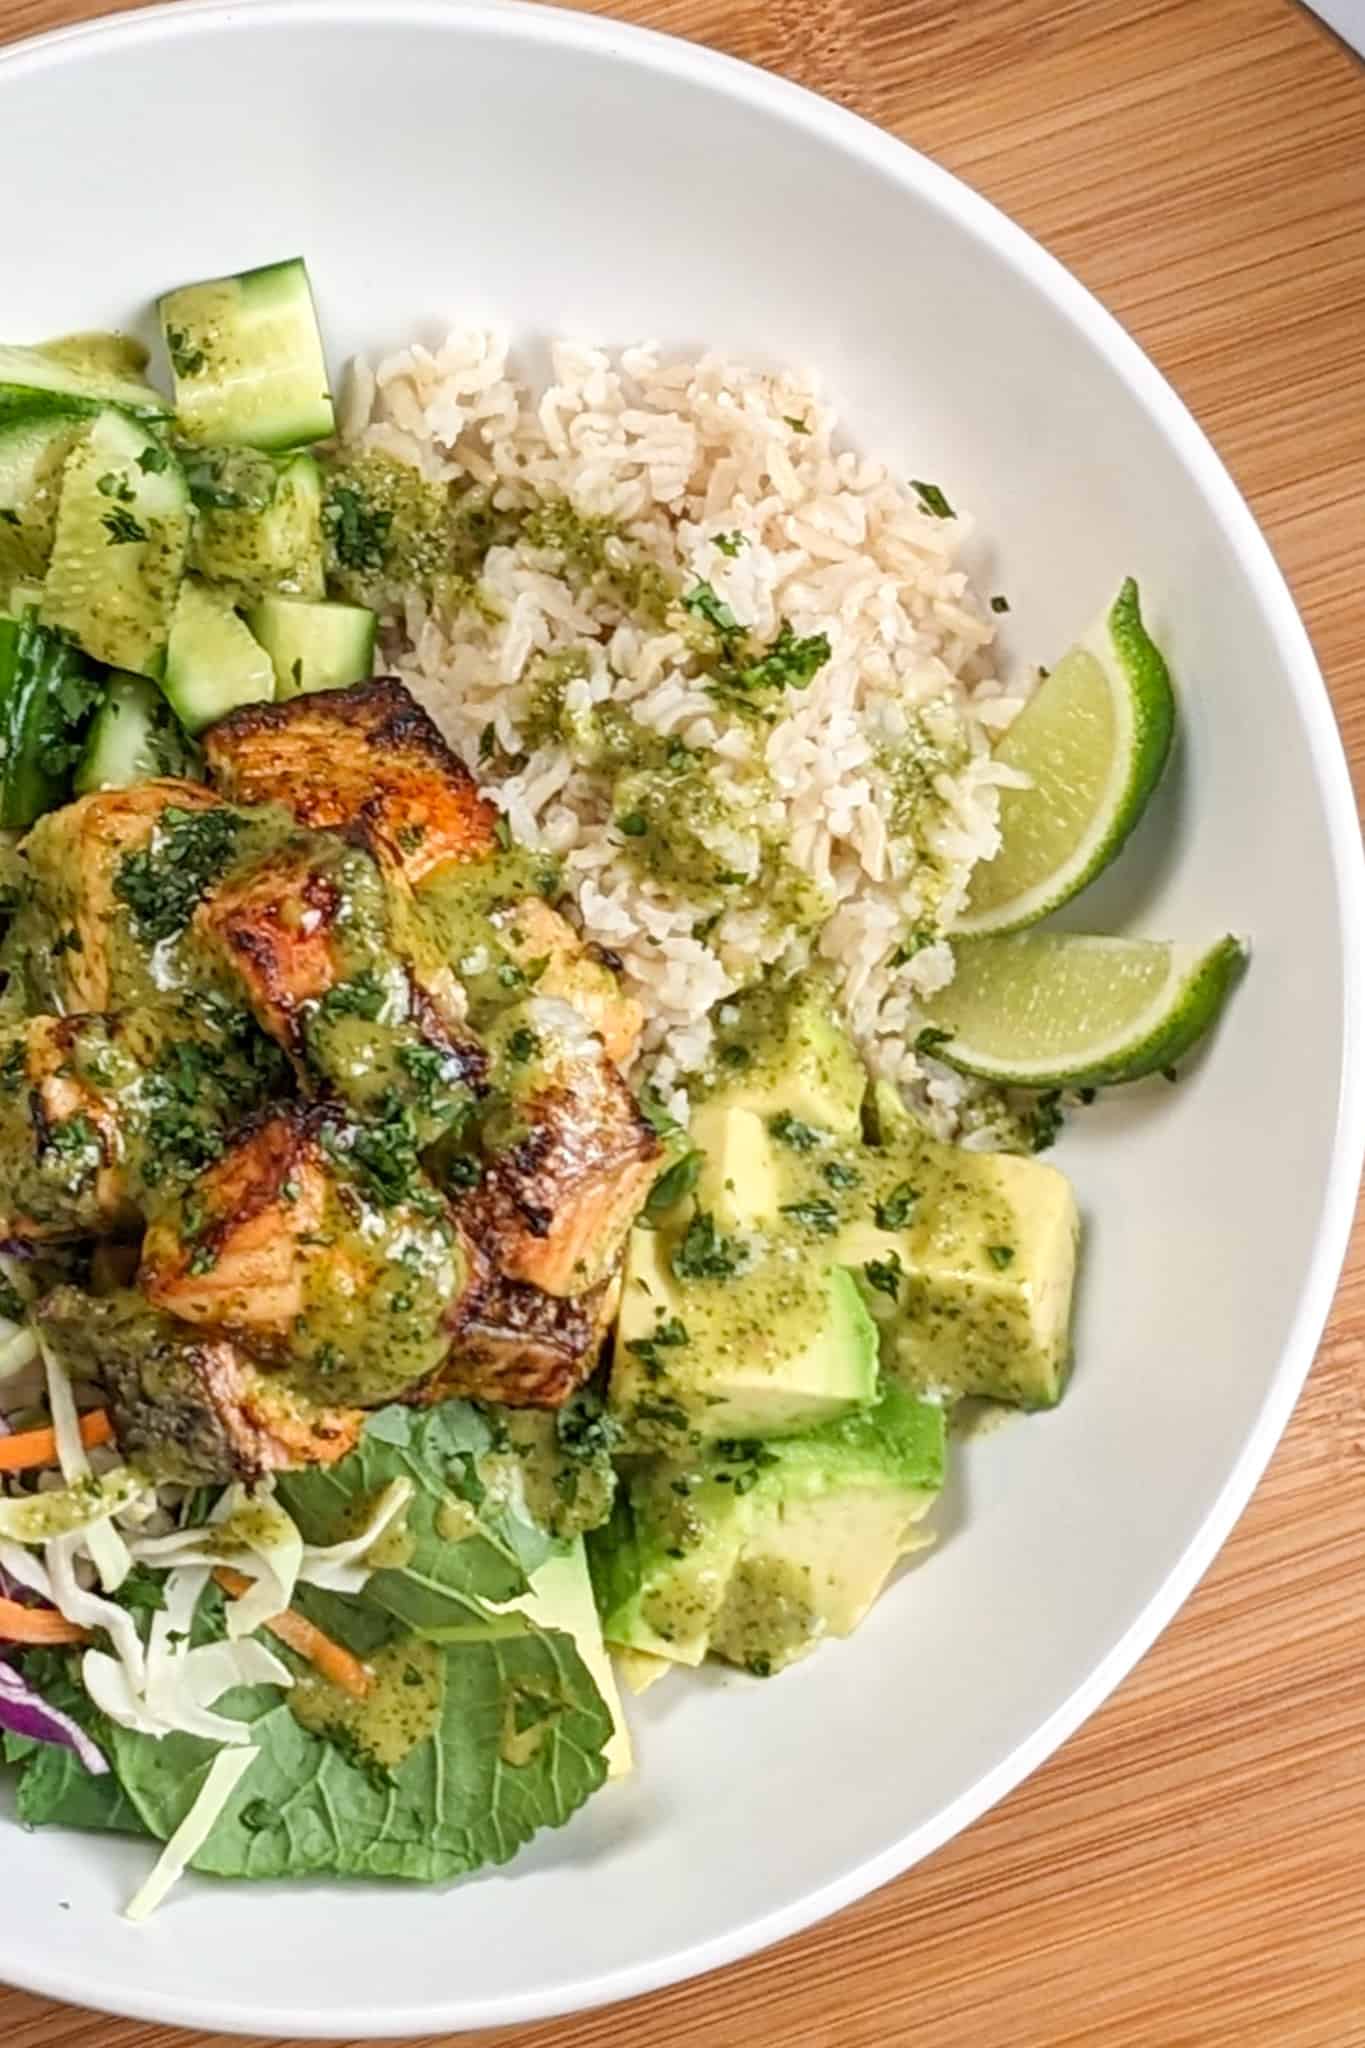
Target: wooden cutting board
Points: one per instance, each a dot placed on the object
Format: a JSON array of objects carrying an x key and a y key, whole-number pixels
[{"x": 1190, "y": 1871}]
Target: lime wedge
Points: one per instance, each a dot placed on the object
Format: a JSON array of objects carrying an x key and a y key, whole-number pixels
[
  {"x": 1093, "y": 742},
  {"x": 1056, "y": 1010}
]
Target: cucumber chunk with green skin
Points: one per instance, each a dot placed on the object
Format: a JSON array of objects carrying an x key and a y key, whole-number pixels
[
  {"x": 135, "y": 737},
  {"x": 47, "y": 693},
  {"x": 248, "y": 359},
  {"x": 35, "y": 380},
  {"x": 100, "y": 354},
  {"x": 314, "y": 646},
  {"x": 213, "y": 663},
  {"x": 33, "y": 452},
  {"x": 259, "y": 523},
  {"x": 119, "y": 550}
]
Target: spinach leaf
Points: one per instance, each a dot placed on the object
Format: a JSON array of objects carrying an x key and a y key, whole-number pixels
[
  {"x": 55, "y": 1789},
  {"x": 464, "y": 1541}
]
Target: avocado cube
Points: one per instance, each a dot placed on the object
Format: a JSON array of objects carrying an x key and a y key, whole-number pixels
[
  {"x": 561, "y": 1597},
  {"x": 777, "y": 1345},
  {"x": 970, "y": 1271},
  {"x": 740, "y": 1182},
  {"x": 754, "y": 1551},
  {"x": 780, "y": 1049}
]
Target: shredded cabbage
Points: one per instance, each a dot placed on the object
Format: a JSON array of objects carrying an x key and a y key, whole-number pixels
[
  {"x": 17, "y": 1351},
  {"x": 176, "y": 1687},
  {"x": 105, "y": 1545},
  {"x": 342, "y": 1567},
  {"x": 224, "y": 1776},
  {"x": 83, "y": 1508},
  {"x": 255, "y": 1536},
  {"x": 88, "y": 1610}
]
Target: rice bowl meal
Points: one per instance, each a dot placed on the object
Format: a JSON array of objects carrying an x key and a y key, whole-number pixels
[{"x": 528, "y": 1023}]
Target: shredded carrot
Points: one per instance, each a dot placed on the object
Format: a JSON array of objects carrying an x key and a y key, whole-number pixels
[
  {"x": 293, "y": 1628},
  {"x": 20, "y": 1624},
  {"x": 39, "y": 1446}
]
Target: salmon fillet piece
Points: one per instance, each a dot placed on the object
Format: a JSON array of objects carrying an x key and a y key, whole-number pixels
[
  {"x": 190, "y": 1408},
  {"x": 74, "y": 856},
  {"x": 526, "y": 1349},
  {"x": 368, "y": 758},
  {"x": 569, "y": 1157},
  {"x": 316, "y": 1246}
]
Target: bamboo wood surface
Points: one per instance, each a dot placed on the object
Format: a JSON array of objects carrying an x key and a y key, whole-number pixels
[{"x": 1190, "y": 1870}]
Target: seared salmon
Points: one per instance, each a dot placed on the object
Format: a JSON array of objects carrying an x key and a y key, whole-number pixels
[
  {"x": 317, "y": 1244},
  {"x": 367, "y": 758},
  {"x": 524, "y": 1348},
  {"x": 186, "y": 1407}
]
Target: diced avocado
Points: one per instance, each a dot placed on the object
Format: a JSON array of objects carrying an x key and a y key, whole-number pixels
[
  {"x": 740, "y": 1180},
  {"x": 754, "y": 1551},
  {"x": 638, "y": 1670},
  {"x": 781, "y": 1048},
  {"x": 561, "y": 1597},
  {"x": 967, "y": 1261},
  {"x": 259, "y": 523},
  {"x": 770, "y": 1344}
]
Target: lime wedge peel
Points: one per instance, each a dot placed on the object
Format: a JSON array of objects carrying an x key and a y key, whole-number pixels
[
  {"x": 1093, "y": 742},
  {"x": 1060, "y": 1010}
]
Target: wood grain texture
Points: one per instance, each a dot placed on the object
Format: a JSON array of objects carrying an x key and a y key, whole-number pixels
[{"x": 1190, "y": 1871}]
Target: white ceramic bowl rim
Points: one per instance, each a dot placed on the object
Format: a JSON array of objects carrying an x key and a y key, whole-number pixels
[{"x": 838, "y": 129}]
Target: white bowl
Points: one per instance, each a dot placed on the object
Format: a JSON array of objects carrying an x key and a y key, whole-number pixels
[{"x": 552, "y": 173}]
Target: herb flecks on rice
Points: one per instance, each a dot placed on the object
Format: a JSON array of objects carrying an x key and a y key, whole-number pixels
[{"x": 731, "y": 675}]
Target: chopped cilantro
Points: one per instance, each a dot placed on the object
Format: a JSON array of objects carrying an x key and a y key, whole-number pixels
[
  {"x": 154, "y": 460},
  {"x": 817, "y": 1212},
  {"x": 730, "y": 543},
  {"x": 1000, "y": 1256},
  {"x": 202, "y": 1260},
  {"x": 364, "y": 995},
  {"x": 122, "y": 528},
  {"x": 164, "y": 881},
  {"x": 885, "y": 1275},
  {"x": 502, "y": 832},
  {"x": 359, "y": 532},
  {"x": 704, "y": 603},
  {"x": 894, "y": 1211},
  {"x": 112, "y": 485},
  {"x": 634, "y": 825},
  {"x": 840, "y": 1175},
  {"x": 914, "y": 942},
  {"x": 932, "y": 499},
  {"x": 789, "y": 1130},
  {"x": 1044, "y": 1122},
  {"x": 186, "y": 359},
  {"x": 705, "y": 1254},
  {"x": 1000, "y": 604},
  {"x": 798, "y": 426},
  {"x": 522, "y": 1045},
  {"x": 488, "y": 742}
]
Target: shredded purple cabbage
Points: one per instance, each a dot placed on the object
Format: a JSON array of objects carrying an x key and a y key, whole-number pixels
[{"x": 25, "y": 1712}]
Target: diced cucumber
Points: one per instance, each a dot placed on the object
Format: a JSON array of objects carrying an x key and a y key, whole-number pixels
[
  {"x": 248, "y": 360},
  {"x": 118, "y": 554},
  {"x": 99, "y": 353},
  {"x": 213, "y": 663},
  {"x": 36, "y": 380},
  {"x": 47, "y": 693},
  {"x": 33, "y": 451},
  {"x": 314, "y": 646},
  {"x": 135, "y": 736},
  {"x": 259, "y": 523}
]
